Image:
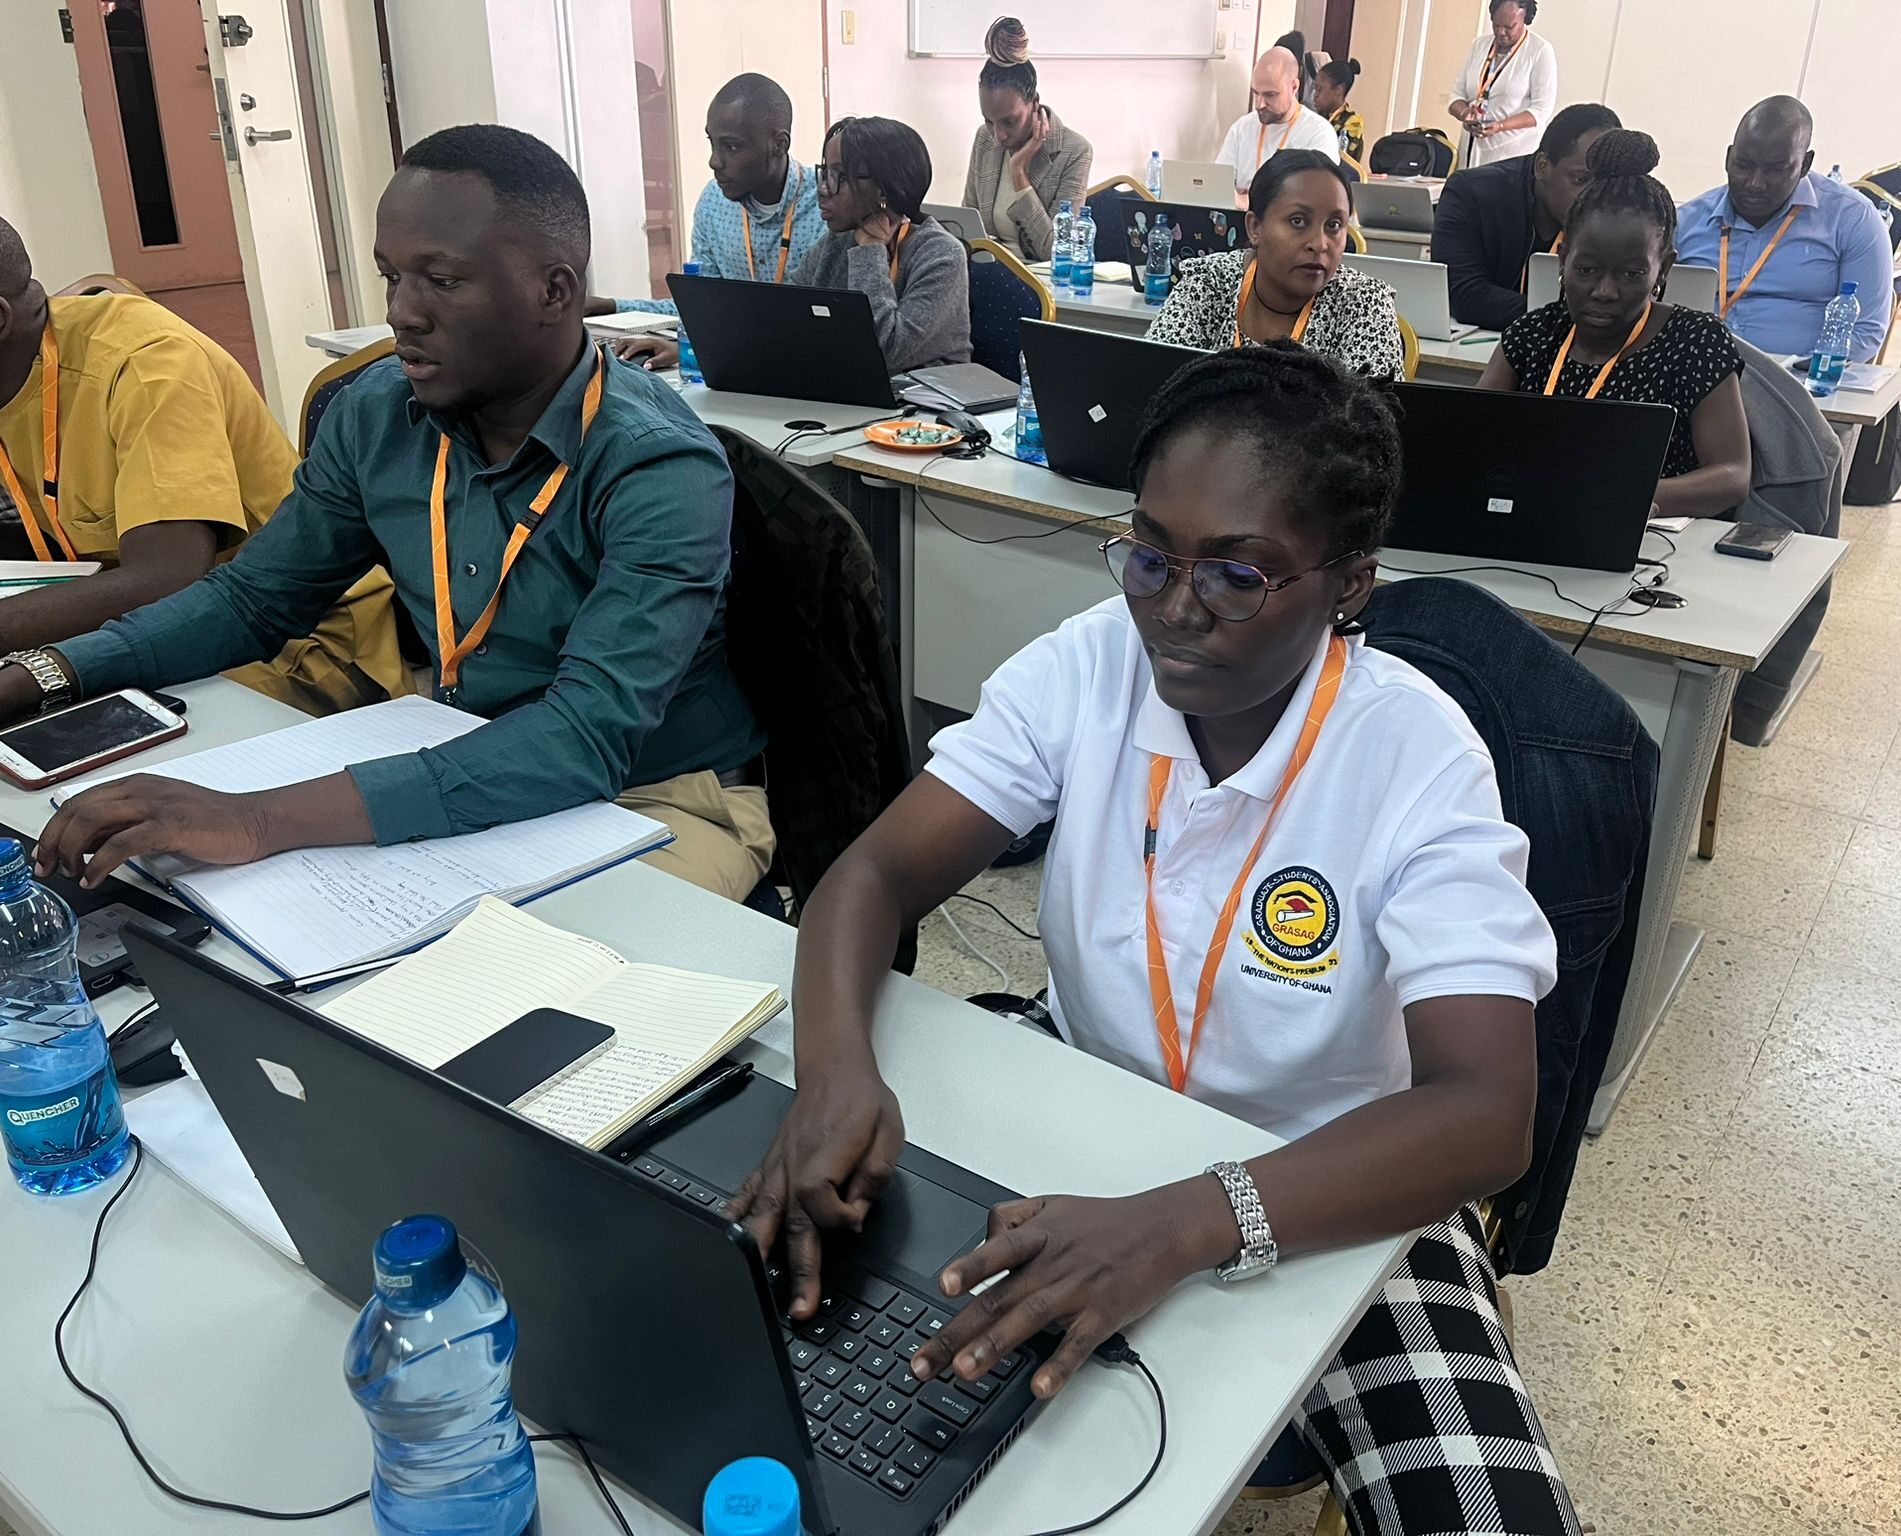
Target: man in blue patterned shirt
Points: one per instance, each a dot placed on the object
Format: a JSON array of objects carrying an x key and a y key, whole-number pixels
[{"x": 757, "y": 217}]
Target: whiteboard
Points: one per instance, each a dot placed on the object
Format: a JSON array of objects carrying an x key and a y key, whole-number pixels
[{"x": 1070, "y": 29}]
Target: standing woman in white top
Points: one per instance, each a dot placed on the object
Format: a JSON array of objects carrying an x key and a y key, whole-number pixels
[
  {"x": 1508, "y": 89},
  {"x": 1278, "y": 121},
  {"x": 1025, "y": 162},
  {"x": 1280, "y": 881}
]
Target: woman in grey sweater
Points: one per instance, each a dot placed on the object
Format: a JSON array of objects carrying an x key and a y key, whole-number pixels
[
  {"x": 872, "y": 185},
  {"x": 1025, "y": 162}
]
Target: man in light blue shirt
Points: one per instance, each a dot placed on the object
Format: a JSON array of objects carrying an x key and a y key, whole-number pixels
[
  {"x": 1786, "y": 238},
  {"x": 759, "y": 214}
]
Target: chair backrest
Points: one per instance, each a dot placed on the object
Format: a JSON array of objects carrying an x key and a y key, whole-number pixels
[
  {"x": 1002, "y": 292},
  {"x": 329, "y": 383},
  {"x": 807, "y": 640},
  {"x": 1409, "y": 346},
  {"x": 1356, "y": 239},
  {"x": 1120, "y": 184},
  {"x": 100, "y": 282},
  {"x": 1883, "y": 189},
  {"x": 1354, "y": 169}
]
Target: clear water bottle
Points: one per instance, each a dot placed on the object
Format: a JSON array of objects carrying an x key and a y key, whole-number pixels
[
  {"x": 59, "y": 1099},
  {"x": 689, "y": 364},
  {"x": 1155, "y": 173},
  {"x": 1836, "y": 343},
  {"x": 1082, "y": 254},
  {"x": 1059, "y": 247},
  {"x": 1029, "y": 433},
  {"x": 1835, "y": 175},
  {"x": 1346, "y": 142},
  {"x": 1160, "y": 275},
  {"x": 428, "y": 1362},
  {"x": 755, "y": 1496}
]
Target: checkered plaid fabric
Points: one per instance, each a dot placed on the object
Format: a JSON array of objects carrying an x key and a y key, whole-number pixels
[{"x": 1422, "y": 1418}]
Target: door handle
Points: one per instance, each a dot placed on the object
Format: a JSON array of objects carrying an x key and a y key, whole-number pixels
[{"x": 272, "y": 136}]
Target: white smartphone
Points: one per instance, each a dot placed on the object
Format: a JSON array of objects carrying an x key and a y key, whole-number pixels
[{"x": 82, "y": 737}]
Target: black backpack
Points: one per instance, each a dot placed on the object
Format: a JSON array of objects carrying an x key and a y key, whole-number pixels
[{"x": 1412, "y": 152}]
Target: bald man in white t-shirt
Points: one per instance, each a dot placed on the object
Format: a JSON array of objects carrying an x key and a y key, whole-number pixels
[{"x": 1278, "y": 121}]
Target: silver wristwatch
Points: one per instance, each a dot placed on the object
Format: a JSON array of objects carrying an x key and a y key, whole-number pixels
[
  {"x": 1259, "y": 1252},
  {"x": 47, "y": 672}
]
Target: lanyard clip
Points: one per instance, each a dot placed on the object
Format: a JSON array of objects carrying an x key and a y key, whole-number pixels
[{"x": 1148, "y": 843}]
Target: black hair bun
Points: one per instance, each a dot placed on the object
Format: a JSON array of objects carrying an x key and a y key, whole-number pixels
[
  {"x": 1622, "y": 152},
  {"x": 1353, "y": 68},
  {"x": 1007, "y": 42}
]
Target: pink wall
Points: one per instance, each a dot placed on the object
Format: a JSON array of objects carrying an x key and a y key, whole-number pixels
[{"x": 1124, "y": 107}]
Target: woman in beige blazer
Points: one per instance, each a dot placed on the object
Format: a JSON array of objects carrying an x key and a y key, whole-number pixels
[{"x": 1024, "y": 161}]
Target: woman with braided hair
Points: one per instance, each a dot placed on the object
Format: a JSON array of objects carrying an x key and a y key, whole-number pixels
[
  {"x": 1279, "y": 881},
  {"x": 1612, "y": 336},
  {"x": 1024, "y": 162}
]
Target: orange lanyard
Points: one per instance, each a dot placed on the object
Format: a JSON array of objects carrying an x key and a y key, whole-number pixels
[
  {"x": 1728, "y": 300},
  {"x": 49, "y": 469},
  {"x": 1260, "y": 139},
  {"x": 1241, "y": 304},
  {"x": 1551, "y": 383},
  {"x": 904, "y": 234},
  {"x": 1161, "y": 995},
  {"x": 1488, "y": 77},
  {"x": 447, "y": 647},
  {"x": 785, "y": 234},
  {"x": 1557, "y": 249}
]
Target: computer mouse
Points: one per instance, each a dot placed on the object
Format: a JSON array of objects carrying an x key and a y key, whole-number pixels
[
  {"x": 976, "y": 435},
  {"x": 1657, "y": 597},
  {"x": 142, "y": 1052}
]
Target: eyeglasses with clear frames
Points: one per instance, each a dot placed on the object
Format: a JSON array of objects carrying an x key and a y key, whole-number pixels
[{"x": 1229, "y": 589}]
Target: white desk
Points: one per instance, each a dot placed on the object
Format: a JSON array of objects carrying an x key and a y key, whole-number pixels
[
  {"x": 227, "y": 1357},
  {"x": 965, "y": 608},
  {"x": 1862, "y": 407},
  {"x": 351, "y": 339},
  {"x": 1115, "y": 307},
  {"x": 1456, "y": 362}
]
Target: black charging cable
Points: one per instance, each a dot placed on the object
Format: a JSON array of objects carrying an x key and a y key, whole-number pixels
[
  {"x": 1115, "y": 1350},
  {"x": 228, "y": 1506}
]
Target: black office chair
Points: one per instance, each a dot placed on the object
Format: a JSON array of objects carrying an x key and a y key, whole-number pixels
[{"x": 330, "y": 382}]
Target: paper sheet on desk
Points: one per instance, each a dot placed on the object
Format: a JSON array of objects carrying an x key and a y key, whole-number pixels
[
  {"x": 30, "y": 575},
  {"x": 182, "y": 1129}
]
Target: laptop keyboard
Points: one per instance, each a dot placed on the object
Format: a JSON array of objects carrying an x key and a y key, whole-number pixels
[{"x": 863, "y": 1407}]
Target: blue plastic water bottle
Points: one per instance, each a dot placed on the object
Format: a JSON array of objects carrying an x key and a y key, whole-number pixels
[
  {"x": 428, "y": 1362},
  {"x": 1835, "y": 344},
  {"x": 1059, "y": 247},
  {"x": 1155, "y": 173},
  {"x": 1029, "y": 433},
  {"x": 756, "y": 1496},
  {"x": 1082, "y": 254},
  {"x": 59, "y": 1099},
  {"x": 689, "y": 364},
  {"x": 1160, "y": 275}
]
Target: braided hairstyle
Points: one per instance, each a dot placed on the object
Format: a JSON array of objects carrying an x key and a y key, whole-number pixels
[
  {"x": 1310, "y": 424},
  {"x": 1620, "y": 163},
  {"x": 1008, "y": 66}
]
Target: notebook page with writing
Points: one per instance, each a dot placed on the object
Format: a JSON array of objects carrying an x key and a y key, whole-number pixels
[
  {"x": 495, "y": 966},
  {"x": 671, "y": 1025}
]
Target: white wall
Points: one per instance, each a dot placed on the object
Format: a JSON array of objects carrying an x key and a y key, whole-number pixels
[
  {"x": 1124, "y": 107},
  {"x": 439, "y": 54},
  {"x": 49, "y": 190},
  {"x": 347, "y": 68}
]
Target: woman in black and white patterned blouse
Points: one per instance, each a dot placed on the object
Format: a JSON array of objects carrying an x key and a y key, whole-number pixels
[{"x": 1290, "y": 284}]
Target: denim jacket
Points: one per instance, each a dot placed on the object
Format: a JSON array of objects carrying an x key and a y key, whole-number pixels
[{"x": 1578, "y": 773}]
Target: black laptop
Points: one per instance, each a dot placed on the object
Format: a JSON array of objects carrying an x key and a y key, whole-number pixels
[
  {"x": 649, "y": 1325},
  {"x": 797, "y": 343},
  {"x": 1526, "y": 479},
  {"x": 1092, "y": 391},
  {"x": 1193, "y": 231}
]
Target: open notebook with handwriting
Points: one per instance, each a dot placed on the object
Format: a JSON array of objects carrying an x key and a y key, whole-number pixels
[
  {"x": 310, "y": 911},
  {"x": 498, "y": 965}
]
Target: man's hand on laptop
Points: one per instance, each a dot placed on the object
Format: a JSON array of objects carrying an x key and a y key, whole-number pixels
[
  {"x": 653, "y": 353},
  {"x": 835, "y": 1152},
  {"x": 95, "y": 832}
]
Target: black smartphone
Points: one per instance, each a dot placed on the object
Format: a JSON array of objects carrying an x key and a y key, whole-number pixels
[
  {"x": 536, "y": 1051},
  {"x": 1754, "y": 541}
]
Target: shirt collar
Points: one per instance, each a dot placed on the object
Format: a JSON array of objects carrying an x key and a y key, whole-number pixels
[
  {"x": 558, "y": 428},
  {"x": 1805, "y": 196},
  {"x": 796, "y": 178},
  {"x": 1163, "y": 732}
]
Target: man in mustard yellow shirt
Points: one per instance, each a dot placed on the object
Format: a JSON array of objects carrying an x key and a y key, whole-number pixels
[{"x": 164, "y": 460}]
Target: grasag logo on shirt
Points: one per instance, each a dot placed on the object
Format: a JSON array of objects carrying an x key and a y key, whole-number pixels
[
  {"x": 1296, "y": 919},
  {"x": 44, "y": 1112}
]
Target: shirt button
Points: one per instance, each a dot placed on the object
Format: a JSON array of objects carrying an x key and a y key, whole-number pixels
[
  {"x": 1176, "y": 888},
  {"x": 469, "y": 569},
  {"x": 481, "y": 650}
]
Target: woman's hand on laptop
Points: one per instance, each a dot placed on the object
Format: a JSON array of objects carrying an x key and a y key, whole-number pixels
[
  {"x": 835, "y": 1152},
  {"x": 1087, "y": 1266}
]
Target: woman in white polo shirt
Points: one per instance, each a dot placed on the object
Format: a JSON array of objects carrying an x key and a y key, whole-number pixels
[{"x": 1280, "y": 881}]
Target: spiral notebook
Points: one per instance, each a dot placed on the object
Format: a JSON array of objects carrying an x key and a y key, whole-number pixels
[{"x": 310, "y": 911}]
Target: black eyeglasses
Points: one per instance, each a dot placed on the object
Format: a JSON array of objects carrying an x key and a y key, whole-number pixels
[
  {"x": 832, "y": 178},
  {"x": 1229, "y": 589}
]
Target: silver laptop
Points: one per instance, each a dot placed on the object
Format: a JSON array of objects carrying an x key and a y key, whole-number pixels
[
  {"x": 967, "y": 224},
  {"x": 1199, "y": 183},
  {"x": 1689, "y": 286},
  {"x": 1404, "y": 207},
  {"x": 1421, "y": 291}
]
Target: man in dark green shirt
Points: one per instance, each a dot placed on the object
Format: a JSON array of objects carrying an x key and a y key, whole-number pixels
[{"x": 603, "y": 671}]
